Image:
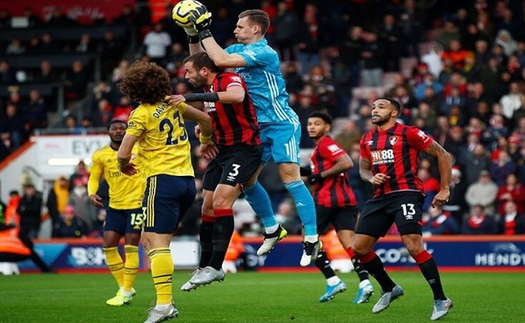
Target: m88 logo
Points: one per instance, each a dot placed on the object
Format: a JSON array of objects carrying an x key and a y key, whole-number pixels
[{"x": 382, "y": 156}]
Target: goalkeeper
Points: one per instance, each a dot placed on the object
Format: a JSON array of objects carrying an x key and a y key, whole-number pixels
[{"x": 259, "y": 65}]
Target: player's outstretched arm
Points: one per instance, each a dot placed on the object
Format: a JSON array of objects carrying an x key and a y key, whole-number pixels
[{"x": 445, "y": 170}]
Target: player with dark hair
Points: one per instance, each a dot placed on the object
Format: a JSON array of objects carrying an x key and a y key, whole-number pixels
[
  {"x": 335, "y": 203},
  {"x": 389, "y": 160},
  {"x": 124, "y": 216},
  {"x": 164, "y": 150},
  {"x": 259, "y": 66},
  {"x": 236, "y": 137}
]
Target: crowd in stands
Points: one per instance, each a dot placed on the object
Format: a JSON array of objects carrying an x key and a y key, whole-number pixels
[{"x": 466, "y": 88}]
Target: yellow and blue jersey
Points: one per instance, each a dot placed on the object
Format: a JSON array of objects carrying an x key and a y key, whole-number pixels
[
  {"x": 125, "y": 192},
  {"x": 163, "y": 142}
]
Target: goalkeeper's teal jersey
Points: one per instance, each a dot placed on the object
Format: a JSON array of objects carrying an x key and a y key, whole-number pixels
[{"x": 265, "y": 82}]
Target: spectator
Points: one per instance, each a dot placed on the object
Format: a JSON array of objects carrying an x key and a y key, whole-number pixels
[
  {"x": 15, "y": 47},
  {"x": 123, "y": 110},
  {"x": 69, "y": 225},
  {"x": 57, "y": 199},
  {"x": 83, "y": 208},
  {"x": 286, "y": 26},
  {"x": 505, "y": 40},
  {"x": 48, "y": 45},
  {"x": 46, "y": 74},
  {"x": 71, "y": 125},
  {"x": 476, "y": 161},
  {"x": 373, "y": 54},
  {"x": 309, "y": 38},
  {"x": 439, "y": 222},
  {"x": 86, "y": 45},
  {"x": 5, "y": 19},
  {"x": 111, "y": 49},
  {"x": 512, "y": 100},
  {"x": 482, "y": 193},
  {"x": 80, "y": 172},
  {"x": 303, "y": 109},
  {"x": 390, "y": 35},
  {"x": 157, "y": 42},
  {"x": 350, "y": 51},
  {"x": 502, "y": 167},
  {"x": 76, "y": 81},
  {"x": 29, "y": 208},
  {"x": 412, "y": 27},
  {"x": 288, "y": 218},
  {"x": 457, "y": 205},
  {"x": 512, "y": 222},
  {"x": 12, "y": 126},
  {"x": 479, "y": 222},
  {"x": 7, "y": 74},
  {"x": 511, "y": 191},
  {"x": 120, "y": 70},
  {"x": 433, "y": 59},
  {"x": 431, "y": 186},
  {"x": 36, "y": 112},
  {"x": 294, "y": 79}
]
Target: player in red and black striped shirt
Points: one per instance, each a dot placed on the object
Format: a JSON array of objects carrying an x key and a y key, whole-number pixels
[
  {"x": 234, "y": 160},
  {"x": 335, "y": 203},
  {"x": 389, "y": 160}
]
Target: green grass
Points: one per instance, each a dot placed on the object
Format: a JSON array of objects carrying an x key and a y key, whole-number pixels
[{"x": 259, "y": 297}]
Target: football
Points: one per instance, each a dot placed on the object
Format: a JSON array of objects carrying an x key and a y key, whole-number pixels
[{"x": 182, "y": 12}]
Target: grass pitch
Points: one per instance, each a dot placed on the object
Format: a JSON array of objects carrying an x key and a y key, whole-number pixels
[{"x": 259, "y": 297}]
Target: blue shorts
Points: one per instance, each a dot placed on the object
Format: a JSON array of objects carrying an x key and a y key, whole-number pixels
[
  {"x": 166, "y": 200},
  {"x": 124, "y": 221},
  {"x": 280, "y": 141}
]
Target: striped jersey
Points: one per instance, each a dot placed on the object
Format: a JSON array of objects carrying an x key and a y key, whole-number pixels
[
  {"x": 331, "y": 191},
  {"x": 163, "y": 141},
  {"x": 125, "y": 192},
  {"x": 233, "y": 123},
  {"x": 265, "y": 81},
  {"x": 395, "y": 152}
]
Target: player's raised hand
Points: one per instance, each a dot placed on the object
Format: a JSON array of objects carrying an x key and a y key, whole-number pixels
[{"x": 95, "y": 200}]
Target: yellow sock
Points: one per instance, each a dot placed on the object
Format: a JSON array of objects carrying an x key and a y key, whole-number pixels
[
  {"x": 162, "y": 273},
  {"x": 115, "y": 264},
  {"x": 131, "y": 266}
]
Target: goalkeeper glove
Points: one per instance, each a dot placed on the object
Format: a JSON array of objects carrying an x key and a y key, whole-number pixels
[
  {"x": 201, "y": 22},
  {"x": 314, "y": 178}
]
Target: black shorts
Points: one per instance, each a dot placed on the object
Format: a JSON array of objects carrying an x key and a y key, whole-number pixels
[
  {"x": 402, "y": 208},
  {"x": 341, "y": 217},
  {"x": 233, "y": 165}
]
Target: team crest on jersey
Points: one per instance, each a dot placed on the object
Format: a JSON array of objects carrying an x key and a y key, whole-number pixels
[{"x": 393, "y": 140}]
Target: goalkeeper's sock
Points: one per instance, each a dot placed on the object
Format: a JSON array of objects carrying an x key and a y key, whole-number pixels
[
  {"x": 115, "y": 264},
  {"x": 162, "y": 272},
  {"x": 260, "y": 202},
  {"x": 131, "y": 266}
]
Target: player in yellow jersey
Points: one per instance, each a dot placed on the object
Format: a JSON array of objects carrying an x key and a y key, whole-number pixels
[
  {"x": 164, "y": 149},
  {"x": 123, "y": 214}
]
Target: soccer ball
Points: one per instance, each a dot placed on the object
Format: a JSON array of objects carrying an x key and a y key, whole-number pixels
[{"x": 183, "y": 11}]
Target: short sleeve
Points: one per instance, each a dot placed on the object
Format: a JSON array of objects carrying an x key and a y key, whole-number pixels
[
  {"x": 418, "y": 138},
  {"x": 364, "y": 152},
  {"x": 137, "y": 122},
  {"x": 330, "y": 150}
]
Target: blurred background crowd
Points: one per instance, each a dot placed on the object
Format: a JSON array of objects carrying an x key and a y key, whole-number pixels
[{"x": 457, "y": 68}]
